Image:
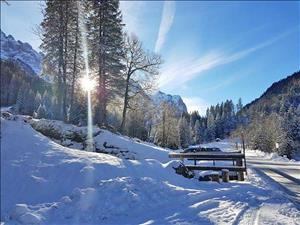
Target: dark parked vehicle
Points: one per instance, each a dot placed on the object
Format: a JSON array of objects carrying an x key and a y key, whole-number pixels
[{"x": 201, "y": 149}]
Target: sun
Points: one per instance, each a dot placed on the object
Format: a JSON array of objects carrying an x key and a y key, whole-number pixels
[{"x": 87, "y": 83}]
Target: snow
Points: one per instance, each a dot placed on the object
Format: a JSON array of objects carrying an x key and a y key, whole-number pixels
[
  {"x": 270, "y": 156},
  {"x": 20, "y": 52},
  {"x": 116, "y": 143},
  {"x": 173, "y": 100},
  {"x": 44, "y": 182},
  {"x": 228, "y": 145}
]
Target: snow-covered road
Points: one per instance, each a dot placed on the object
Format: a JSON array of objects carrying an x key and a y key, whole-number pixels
[{"x": 284, "y": 175}]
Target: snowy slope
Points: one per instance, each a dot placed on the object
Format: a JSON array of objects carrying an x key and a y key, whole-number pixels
[
  {"x": 20, "y": 52},
  {"x": 46, "y": 183},
  {"x": 66, "y": 132}
]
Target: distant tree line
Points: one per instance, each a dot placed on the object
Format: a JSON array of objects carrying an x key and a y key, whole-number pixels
[
  {"x": 22, "y": 88},
  {"x": 191, "y": 128}
]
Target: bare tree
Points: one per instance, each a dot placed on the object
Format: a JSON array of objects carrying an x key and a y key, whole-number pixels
[
  {"x": 167, "y": 134},
  {"x": 141, "y": 69},
  {"x": 5, "y": 1}
]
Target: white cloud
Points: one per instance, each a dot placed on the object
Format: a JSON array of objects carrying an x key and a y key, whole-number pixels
[
  {"x": 196, "y": 104},
  {"x": 178, "y": 72},
  {"x": 165, "y": 24},
  {"x": 132, "y": 11}
]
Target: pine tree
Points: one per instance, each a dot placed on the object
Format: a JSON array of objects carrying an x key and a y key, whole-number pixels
[
  {"x": 20, "y": 102},
  {"x": 76, "y": 52},
  {"x": 183, "y": 132},
  {"x": 290, "y": 143},
  {"x": 60, "y": 44},
  {"x": 106, "y": 38},
  {"x": 239, "y": 105},
  {"x": 210, "y": 133},
  {"x": 29, "y": 102},
  {"x": 197, "y": 132},
  {"x": 13, "y": 89}
]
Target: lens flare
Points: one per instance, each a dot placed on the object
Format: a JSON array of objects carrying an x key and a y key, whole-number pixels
[{"x": 87, "y": 83}]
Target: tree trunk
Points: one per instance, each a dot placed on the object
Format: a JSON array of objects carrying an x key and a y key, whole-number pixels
[
  {"x": 164, "y": 130},
  {"x": 125, "y": 106},
  {"x": 100, "y": 112},
  {"x": 65, "y": 61},
  {"x": 60, "y": 64},
  {"x": 74, "y": 65}
]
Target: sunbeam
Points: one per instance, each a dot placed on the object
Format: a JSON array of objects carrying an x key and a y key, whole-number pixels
[{"x": 87, "y": 83}]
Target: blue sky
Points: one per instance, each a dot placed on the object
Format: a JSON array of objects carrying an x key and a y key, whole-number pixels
[{"x": 212, "y": 51}]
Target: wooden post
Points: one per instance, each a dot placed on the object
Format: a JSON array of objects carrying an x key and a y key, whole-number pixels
[
  {"x": 244, "y": 151},
  {"x": 240, "y": 174},
  {"x": 225, "y": 175},
  {"x": 243, "y": 142}
]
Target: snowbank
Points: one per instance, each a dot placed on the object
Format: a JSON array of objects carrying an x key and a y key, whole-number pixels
[
  {"x": 105, "y": 141},
  {"x": 46, "y": 183},
  {"x": 228, "y": 145},
  {"x": 269, "y": 156}
]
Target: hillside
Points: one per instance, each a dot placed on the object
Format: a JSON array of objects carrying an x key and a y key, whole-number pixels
[
  {"x": 278, "y": 98},
  {"x": 271, "y": 123},
  {"x": 20, "y": 74}
]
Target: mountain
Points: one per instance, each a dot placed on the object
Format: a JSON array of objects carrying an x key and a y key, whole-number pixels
[
  {"x": 175, "y": 101},
  {"x": 278, "y": 98},
  {"x": 20, "y": 72},
  {"x": 273, "y": 120},
  {"x": 20, "y": 53}
]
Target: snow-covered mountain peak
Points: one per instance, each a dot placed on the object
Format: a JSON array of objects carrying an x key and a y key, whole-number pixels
[
  {"x": 174, "y": 100},
  {"x": 17, "y": 50}
]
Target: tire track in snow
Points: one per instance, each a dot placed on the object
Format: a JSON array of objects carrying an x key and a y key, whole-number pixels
[
  {"x": 249, "y": 217},
  {"x": 280, "y": 175},
  {"x": 286, "y": 175}
]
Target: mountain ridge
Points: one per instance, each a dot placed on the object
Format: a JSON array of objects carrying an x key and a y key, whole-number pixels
[
  {"x": 285, "y": 91},
  {"x": 21, "y": 52},
  {"x": 173, "y": 100}
]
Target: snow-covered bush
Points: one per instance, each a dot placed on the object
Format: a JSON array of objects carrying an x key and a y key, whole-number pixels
[{"x": 59, "y": 131}]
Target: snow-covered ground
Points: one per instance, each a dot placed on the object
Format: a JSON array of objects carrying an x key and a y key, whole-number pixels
[
  {"x": 43, "y": 182},
  {"x": 280, "y": 171},
  {"x": 118, "y": 145}
]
